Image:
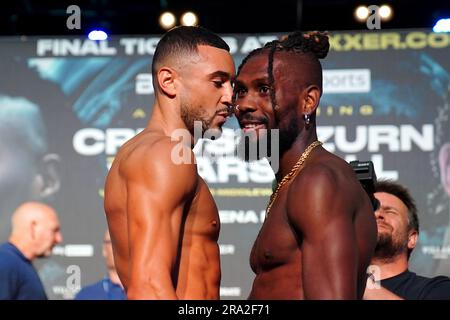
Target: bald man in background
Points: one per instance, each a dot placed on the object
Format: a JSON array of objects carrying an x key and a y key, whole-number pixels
[{"x": 35, "y": 231}]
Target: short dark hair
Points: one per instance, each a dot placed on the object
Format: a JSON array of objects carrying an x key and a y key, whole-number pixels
[
  {"x": 313, "y": 45},
  {"x": 184, "y": 40},
  {"x": 401, "y": 192}
]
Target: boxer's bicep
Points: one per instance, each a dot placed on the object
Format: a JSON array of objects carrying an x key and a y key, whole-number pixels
[{"x": 157, "y": 196}]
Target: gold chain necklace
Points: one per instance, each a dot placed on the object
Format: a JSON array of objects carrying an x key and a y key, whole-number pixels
[{"x": 291, "y": 173}]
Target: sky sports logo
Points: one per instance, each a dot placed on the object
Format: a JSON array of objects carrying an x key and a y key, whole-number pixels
[{"x": 346, "y": 81}]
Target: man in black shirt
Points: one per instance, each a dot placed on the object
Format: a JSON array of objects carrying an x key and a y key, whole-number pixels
[{"x": 398, "y": 232}]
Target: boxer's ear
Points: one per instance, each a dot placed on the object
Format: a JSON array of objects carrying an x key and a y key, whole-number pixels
[
  {"x": 310, "y": 97},
  {"x": 166, "y": 81},
  {"x": 47, "y": 181}
]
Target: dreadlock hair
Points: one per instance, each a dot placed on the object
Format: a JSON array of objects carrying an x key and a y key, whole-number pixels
[{"x": 314, "y": 45}]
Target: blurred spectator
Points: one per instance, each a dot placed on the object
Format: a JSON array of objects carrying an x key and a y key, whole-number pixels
[
  {"x": 398, "y": 232},
  {"x": 110, "y": 287},
  {"x": 35, "y": 231}
]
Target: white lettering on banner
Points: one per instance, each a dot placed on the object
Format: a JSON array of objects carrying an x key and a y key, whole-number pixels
[
  {"x": 74, "y": 47},
  {"x": 131, "y": 46},
  {"x": 139, "y": 46},
  {"x": 437, "y": 252},
  {"x": 397, "y": 138},
  {"x": 227, "y": 167},
  {"x": 384, "y": 134},
  {"x": 252, "y": 43},
  {"x": 260, "y": 171},
  {"x": 339, "y": 42},
  {"x": 423, "y": 140},
  {"x": 228, "y": 147},
  {"x": 232, "y": 167},
  {"x": 346, "y": 81},
  {"x": 92, "y": 141},
  {"x": 81, "y": 138},
  {"x": 241, "y": 216},
  {"x": 206, "y": 170},
  {"x": 44, "y": 45}
]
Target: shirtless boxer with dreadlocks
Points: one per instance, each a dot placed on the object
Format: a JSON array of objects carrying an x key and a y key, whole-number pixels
[{"x": 320, "y": 230}]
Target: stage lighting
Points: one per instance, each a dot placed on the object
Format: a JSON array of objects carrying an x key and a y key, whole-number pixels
[
  {"x": 97, "y": 35},
  {"x": 443, "y": 25},
  {"x": 189, "y": 19},
  {"x": 361, "y": 13},
  {"x": 385, "y": 12},
  {"x": 167, "y": 20}
]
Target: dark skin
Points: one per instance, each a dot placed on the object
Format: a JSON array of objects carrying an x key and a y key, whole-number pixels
[{"x": 320, "y": 235}]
